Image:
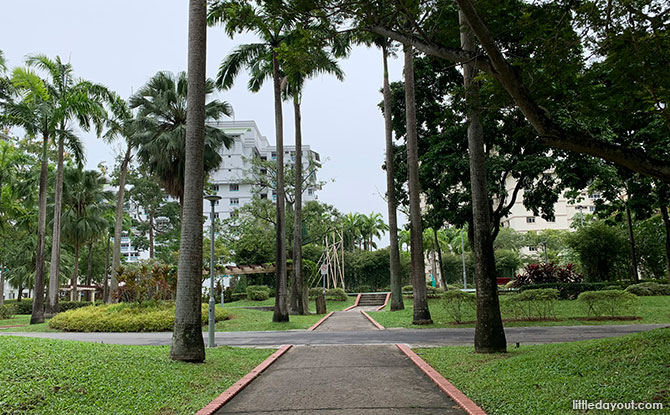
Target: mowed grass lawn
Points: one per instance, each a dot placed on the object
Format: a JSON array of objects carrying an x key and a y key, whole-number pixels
[
  {"x": 544, "y": 379},
  {"x": 568, "y": 313},
  {"x": 53, "y": 377},
  {"x": 242, "y": 319}
]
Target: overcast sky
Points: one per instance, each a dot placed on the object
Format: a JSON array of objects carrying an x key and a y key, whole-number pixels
[{"x": 122, "y": 43}]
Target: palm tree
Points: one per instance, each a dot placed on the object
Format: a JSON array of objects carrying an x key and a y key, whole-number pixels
[
  {"x": 160, "y": 133},
  {"x": 187, "y": 344},
  {"x": 421, "y": 313},
  {"x": 73, "y": 100},
  {"x": 267, "y": 20},
  {"x": 83, "y": 217},
  {"x": 372, "y": 226},
  {"x": 352, "y": 224}
]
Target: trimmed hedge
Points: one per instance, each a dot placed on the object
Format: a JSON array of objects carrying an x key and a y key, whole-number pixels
[
  {"x": 609, "y": 303},
  {"x": 457, "y": 303},
  {"x": 258, "y": 292},
  {"x": 532, "y": 304},
  {"x": 124, "y": 317},
  {"x": 25, "y": 306},
  {"x": 7, "y": 311},
  {"x": 336, "y": 294},
  {"x": 570, "y": 290},
  {"x": 649, "y": 289}
]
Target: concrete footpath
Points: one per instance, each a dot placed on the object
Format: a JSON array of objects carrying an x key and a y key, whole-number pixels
[{"x": 342, "y": 380}]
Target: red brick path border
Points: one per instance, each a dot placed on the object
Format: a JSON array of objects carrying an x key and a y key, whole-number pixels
[
  {"x": 454, "y": 393},
  {"x": 358, "y": 298},
  {"x": 318, "y": 323},
  {"x": 242, "y": 383},
  {"x": 372, "y": 320}
]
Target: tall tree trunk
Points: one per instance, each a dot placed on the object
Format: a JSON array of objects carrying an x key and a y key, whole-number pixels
[
  {"x": 187, "y": 342},
  {"x": 37, "y": 315},
  {"x": 281, "y": 300},
  {"x": 631, "y": 238},
  {"x": 489, "y": 332},
  {"x": 105, "y": 288},
  {"x": 151, "y": 235},
  {"x": 421, "y": 313},
  {"x": 18, "y": 298},
  {"x": 2, "y": 284},
  {"x": 439, "y": 258},
  {"x": 54, "y": 266},
  {"x": 299, "y": 292},
  {"x": 666, "y": 221},
  {"x": 89, "y": 270},
  {"x": 392, "y": 203},
  {"x": 118, "y": 228},
  {"x": 75, "y": 276}
]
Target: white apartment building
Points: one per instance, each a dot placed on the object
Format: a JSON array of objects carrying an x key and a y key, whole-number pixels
[{"x": 229, "y": 179}]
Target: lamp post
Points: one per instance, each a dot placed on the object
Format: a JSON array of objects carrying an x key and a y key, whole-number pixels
[
  {"x": 212, "y": 302},
  {"x": 465, "y": 275}
]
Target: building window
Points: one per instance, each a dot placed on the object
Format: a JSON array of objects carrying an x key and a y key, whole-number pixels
[
  {"x": 234, "y": 187},
  {"x": 264, "y": 195},
  {"x": 592, "y": 208},
  {"x": 551, "y": 220},
  {"x": 216, "y": 203},
  {"x": 234, "y": 215},
  {"x": 310, "y": 191},
  {"x": 274, "y": 156},
  {"x": 530, "y": 219},
  {"x": 234, "y": 201},
  {"x": 216, "y": 187},
  {"x": 532, "y": 248},
  {"x": 594, "y": 196},
  {"x": 216, "y": 215},
  {"x": 264, "y": 158}
]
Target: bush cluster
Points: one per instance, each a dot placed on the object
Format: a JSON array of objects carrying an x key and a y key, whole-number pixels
[
  {"x": 570, "y": 291},
  {"x": 336, "y": 294},
  {"x": 431, "y": 292},
  {"x": 315, "y": 292},
  {"x": 258, "y": 292},
  {"x": 649, "y": 288},
  {"x": 609, "y": 303},
  {"x": 457, "y": 303},
  {"x": 147, "y": 283},
  {"x": 124, "y": 317},
  {"x": 547, "y": 273},
  {"x": 7, "y": 311},
  {"x": 532, "y": 304},
  {"x": 25, "y": 306}
]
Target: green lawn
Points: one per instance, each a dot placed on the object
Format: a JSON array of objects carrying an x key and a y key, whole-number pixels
[
  {"x": 651, "y": 310},
  {"x": 41, "y": 376},
  {"x": 242, "y": 319},
  {"x": 544, "y": 379}
]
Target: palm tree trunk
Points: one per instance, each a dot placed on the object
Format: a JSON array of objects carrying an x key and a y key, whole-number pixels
[
  {"x": 666, "y": 222},
  {"x": 392, "y": 203},
  {"x": 631, "y": 239},
  {"x": 281, "y": 300},
  {"x": 187, "y": 343},
  {"x": 299, "y": 290},
  {"x": 75, "y": 275},
  {"x": 89, "y": 270},
  {"x": 54, "y": 266},
  {"x": 105, "y": 288},
  {"x": 489, "y": 333},
  {"x": 439, "y": 258},
  {"x": 118, "y": 227},
  {"x": 37, "y": 315},
  {"x": 421, "y": 313}
]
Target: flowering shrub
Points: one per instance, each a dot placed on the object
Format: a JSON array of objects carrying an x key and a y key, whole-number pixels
[{"x": 547, "y": 273}]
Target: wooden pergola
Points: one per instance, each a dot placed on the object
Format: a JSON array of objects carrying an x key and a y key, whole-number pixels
[{"x": 250, "y": 269}]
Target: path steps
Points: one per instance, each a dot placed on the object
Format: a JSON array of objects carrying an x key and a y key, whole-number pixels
[{"x": 372, "y": 299}]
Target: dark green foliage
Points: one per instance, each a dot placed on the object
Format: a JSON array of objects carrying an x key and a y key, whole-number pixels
[
  {"x": 507, "y": 262},
  {"x": 147, "y": 283},
  {"x": 258, "y": 292},
  {"x": 602, "y": 251},
  {"x": 238, "y": 296},
  {"x": 459, "y": 304},
  {"x": 532, "y": 304},
  {"x": 7, "y": 311},
  {"x": 369, "y": 270},
  {"x": 609, "y": 303},
  {"x": 124, "y": 317},
  {"x": 547, "y": 273},
  {"x": 336, "y": 294},
  {"x": 452, "y": 268},
  {"x": 25, "y": 306},
  {"x": 648, "y": 289},
  {"x": 570, "y": 291},
  {"x": 315, "y": 292},
  {"x": 407, "y": 289}
]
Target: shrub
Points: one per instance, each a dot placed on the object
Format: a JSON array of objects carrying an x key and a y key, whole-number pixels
[
  {"x": 124, "y": 317},
  {"x": 649, "y": 288},
  {"x": 608, "y": 303},
  {"x": 570, "y": 291},
  {"x": 25, "y": 306},
  {"x": 531, "y": 304},
  {"x": 238, "y": 296},
  {"x": 7, "y": 311},
  {"x": 433, "y": 292},
  {"x": 547, "y": 273},
  {"x": 315, "y": 292},
  {"x": 457, "y": 303},
  {"x": 336, "y": 294},
  {"x": 407, "y": 289},
  {"x": 258, "y": 292},
  {"x": 147, "y": 282}
]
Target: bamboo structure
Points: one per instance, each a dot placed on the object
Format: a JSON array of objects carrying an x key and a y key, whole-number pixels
[{"x": 333, "y": 258}]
